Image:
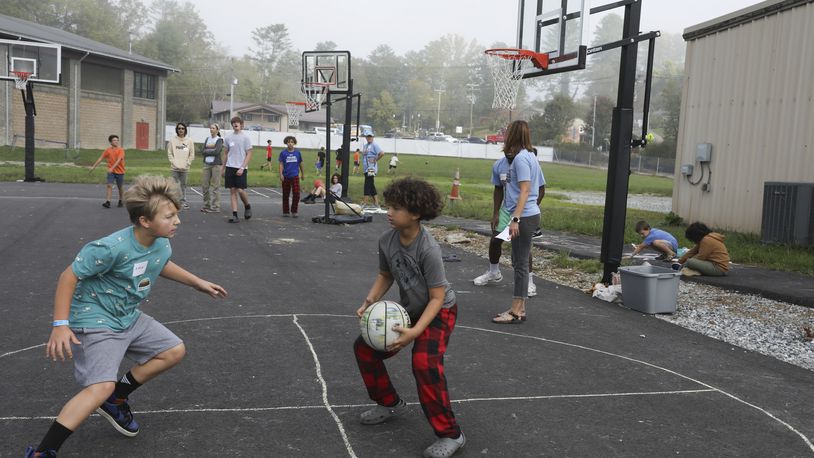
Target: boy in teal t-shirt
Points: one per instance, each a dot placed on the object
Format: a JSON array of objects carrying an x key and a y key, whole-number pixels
[{"x": 97, "y": 320}]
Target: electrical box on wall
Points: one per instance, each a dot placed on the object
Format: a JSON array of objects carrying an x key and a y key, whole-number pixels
[
  {"x": 703, "y": 152},
  {"x": 686, "y": 170}
]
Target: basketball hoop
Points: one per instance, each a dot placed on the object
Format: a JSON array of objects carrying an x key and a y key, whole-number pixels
[
  {"x": 21, "y": 79},
  {"x": 295, "y": 111},
  {"x": 313, "y": 94},
  {"x": 508, "y": 66}
]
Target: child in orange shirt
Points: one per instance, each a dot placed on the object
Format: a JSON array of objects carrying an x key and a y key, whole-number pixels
[{"x": 115, "y": 169}]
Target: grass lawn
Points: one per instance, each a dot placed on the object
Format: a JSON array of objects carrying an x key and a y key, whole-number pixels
[{"x": 476, "y": 189}]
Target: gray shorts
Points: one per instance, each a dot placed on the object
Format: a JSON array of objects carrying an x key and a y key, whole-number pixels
[{"x": 98, "y": 358}]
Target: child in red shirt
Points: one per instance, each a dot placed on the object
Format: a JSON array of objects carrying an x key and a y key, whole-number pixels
[{"x": 115, "y": 169}]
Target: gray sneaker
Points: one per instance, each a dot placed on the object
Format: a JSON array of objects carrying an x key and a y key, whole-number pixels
[{"x": 380, "y": 414}]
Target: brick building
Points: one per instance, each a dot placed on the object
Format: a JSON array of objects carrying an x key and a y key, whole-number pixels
[{"x": 103, "y": 90}]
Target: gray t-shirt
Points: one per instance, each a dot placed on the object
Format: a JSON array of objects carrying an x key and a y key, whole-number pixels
[
  {"x": 415, "y": 269},
  {"x": 238, "y": 144}
]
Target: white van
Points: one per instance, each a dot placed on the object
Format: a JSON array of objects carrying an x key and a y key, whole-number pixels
[{"x": 322, "y": 130}]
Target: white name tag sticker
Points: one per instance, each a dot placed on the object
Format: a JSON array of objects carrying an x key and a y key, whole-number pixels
[{"x": 139, "y": 268}]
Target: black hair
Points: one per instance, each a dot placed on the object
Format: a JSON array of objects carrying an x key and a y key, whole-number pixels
[
  {"x": 110, "y": 138},
  {"x": 416, "y": 196},
  {"x": 697, "y": 231},
  {"x": 289, "y": 137},
  {"x": 179, "y": 125}
]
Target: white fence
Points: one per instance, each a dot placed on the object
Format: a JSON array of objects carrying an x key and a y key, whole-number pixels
[{"x": 389, "y": 145}]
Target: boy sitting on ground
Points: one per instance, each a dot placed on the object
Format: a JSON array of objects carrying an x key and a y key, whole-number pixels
[{"x": 657, "y": 239}]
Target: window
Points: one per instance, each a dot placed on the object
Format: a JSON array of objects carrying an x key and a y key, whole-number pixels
[
  {"x": 272, "y": 118},
  {"x": 143, "y": 85},
  {"x": 247, "y": 117},
  {"x": 101, "y": 78}
]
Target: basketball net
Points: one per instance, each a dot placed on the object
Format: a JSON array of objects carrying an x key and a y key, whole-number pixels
[
  {"x": 508, "y": 66},
  {"x": 21, "y": 79},
  {"x": 295, "y": 111},
  {"x": 313, "y": 96}
]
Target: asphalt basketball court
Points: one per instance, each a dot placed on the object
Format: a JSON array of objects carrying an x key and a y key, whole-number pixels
[{"x": 270, "y": 369}]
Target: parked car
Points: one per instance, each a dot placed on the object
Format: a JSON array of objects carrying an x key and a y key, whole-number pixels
[
  {"x": 255, "y": 127},
  {"x": 477, "y": 140}
]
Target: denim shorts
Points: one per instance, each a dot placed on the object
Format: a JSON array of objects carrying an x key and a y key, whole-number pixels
[
  {"x": 117, "y": 178},
  {"x": 102, "y": 350}
]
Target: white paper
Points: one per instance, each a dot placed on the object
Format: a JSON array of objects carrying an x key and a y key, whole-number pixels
[{"x": 505, "y": 235}]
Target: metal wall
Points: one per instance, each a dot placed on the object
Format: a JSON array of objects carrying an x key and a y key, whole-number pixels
[{"x": 749, "y": 91}]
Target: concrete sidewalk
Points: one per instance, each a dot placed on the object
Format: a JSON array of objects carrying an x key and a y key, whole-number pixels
[{"x": 789, "y": 287}]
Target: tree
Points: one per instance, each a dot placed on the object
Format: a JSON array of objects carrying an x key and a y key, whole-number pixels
[
  {"x": 191, "y": 91},
  {"x": 383, "y": 111},
  {"x": 270, "y": 42},
  {"x": 325, "y": 46},
  {"x": 551, "y": 125}
]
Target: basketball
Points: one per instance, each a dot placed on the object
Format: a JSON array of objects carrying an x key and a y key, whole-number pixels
[
  {"x": 650, "y": 137},
  {"x": 377, "y": 324}
]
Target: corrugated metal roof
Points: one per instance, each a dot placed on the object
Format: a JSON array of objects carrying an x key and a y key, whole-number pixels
[
  {"x": 27, "y": 30},
  {"x": 740, "y": 17}
]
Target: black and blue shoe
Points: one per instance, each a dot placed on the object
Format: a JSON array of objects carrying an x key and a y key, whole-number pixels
[
  {"x": 30, "y": 452},
  {"x": 117, "y": 412}
]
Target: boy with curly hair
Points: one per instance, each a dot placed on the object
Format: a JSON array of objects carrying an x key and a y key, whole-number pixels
[
  {"x": 411, "y": 257},
  {"x": 97, "y": 321}
]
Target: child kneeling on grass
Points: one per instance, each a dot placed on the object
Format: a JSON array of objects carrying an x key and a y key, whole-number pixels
[
  {"x": 97, "y": 320},
  {"x": 411, "y": 257},
  {"x": 657, "y": 239}
]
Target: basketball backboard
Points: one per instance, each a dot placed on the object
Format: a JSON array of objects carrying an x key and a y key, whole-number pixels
[
  {"x": 42, "y": 60},
  {"x": 559, "y": 28},
  {"x": 331, "y": 68}
]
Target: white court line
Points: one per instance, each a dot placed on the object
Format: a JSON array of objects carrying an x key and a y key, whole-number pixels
[
  {"x": 22, "y": 350},
  {"x": 259, "y": 193},
  {"x": 359, "y": 406},
  {"x": 582, "y": 347},
  {"x": 325, "y": 390},
  {"x": 195, "y": 190},
  {"x": 542, "y": 339},
  {"x": 274, "y": 191}
]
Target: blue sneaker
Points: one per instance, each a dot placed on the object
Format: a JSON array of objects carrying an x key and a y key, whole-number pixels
[
  {"x": 117, "y": 412},
  {"x": 30, "y": 452}
]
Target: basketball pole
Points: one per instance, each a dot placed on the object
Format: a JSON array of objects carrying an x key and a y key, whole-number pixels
[
  {"x": 613, "y": 230},
  {"x": 30, "y": 112}
]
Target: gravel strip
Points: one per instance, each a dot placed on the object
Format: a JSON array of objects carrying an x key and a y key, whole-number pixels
[
  {"x": 648, "y": 202},
  {"x": 765, "y": 326}
]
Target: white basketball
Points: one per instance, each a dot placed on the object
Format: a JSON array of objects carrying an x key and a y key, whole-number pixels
[{"x": 377, "y": 324}]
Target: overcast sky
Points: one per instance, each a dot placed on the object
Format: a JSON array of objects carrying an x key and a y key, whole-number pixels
[{"x": 361, "y": 25}]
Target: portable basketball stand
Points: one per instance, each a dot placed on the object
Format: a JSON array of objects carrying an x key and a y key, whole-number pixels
[
  {"x": 554, "y": 16},
  {"x": 325, "y": 73}
]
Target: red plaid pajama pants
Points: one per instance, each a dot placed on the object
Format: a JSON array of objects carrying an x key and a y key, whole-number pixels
[
  {"x": 291, "y": 186},
  {"x": 428, "y": 369}
]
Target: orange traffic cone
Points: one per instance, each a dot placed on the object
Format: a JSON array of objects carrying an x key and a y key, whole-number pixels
[{"x": 454, "y": 194}]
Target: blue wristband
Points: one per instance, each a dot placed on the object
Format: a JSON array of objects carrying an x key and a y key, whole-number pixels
[{"x": 60, "y": 323}]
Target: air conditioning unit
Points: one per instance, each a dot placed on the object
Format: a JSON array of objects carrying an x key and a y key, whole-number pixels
[{"x": 788, "y": 213}]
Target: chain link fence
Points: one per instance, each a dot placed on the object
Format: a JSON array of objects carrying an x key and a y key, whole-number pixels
[{"x": 580, "y": 155}]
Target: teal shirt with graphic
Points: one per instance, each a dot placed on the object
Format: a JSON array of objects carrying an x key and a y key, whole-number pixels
[{"x": 115, "y": 274}]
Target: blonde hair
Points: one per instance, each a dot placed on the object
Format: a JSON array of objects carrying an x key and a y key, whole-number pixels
[{"x": 148, "y": 193}]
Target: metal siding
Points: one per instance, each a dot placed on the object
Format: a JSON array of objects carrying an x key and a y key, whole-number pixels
[{"x": 748, "y": 90}]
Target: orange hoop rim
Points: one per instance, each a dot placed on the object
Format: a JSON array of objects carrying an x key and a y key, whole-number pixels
[
  {"x": 22, "y": 75},
  {"x": 296, "y": 103},
  {"x": 540, "y": 60}
]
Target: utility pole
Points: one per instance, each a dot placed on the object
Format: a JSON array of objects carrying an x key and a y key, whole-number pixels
[
  {"x": 593, "y": 126},
  {"x": 471, "y": 88},
  {"x": 438, "y": 113},
  {"x": 232, "y": 99}
]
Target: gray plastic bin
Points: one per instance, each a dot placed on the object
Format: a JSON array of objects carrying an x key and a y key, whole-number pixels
[{"x": 650, "y": 289}]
